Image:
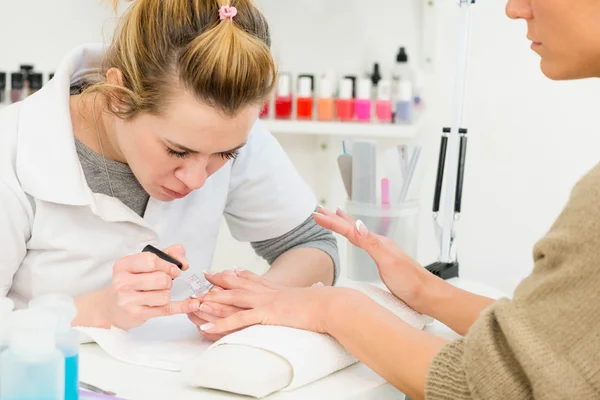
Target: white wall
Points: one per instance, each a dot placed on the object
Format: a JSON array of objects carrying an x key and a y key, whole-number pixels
[{"x": 530, "y": 138}]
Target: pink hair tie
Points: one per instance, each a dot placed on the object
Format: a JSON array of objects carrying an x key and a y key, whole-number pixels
[{"x": 227, "y": 12}]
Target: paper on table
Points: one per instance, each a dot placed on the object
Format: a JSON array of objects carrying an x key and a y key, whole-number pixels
[{"x": 161, "y": 343}]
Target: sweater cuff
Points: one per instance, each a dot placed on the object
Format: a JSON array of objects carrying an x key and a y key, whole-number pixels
[{"x": 446, "y": 379}]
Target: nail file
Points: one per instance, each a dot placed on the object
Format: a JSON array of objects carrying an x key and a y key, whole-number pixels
[
  {"x": 393, "y": 171},
  {"x": 364, "y": 183},
  {"x": 345, "y": 167},
  {"x": 199, "y": 286}
]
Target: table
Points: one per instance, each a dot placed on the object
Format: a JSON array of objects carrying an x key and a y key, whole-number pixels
[{"x": 357, "y": 382}]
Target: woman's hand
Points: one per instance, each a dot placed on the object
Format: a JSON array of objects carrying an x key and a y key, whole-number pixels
[
  {"x": 401, "y": 274},
  {"x": 140, "y": 288},
  {"x": 264, "y": 303},
  {"x": 210, "y": 311}
]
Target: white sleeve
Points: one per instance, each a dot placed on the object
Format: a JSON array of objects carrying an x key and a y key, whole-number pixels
[
  {"x": 14, "y": 234},
  {"x": 267, "y": 197}
]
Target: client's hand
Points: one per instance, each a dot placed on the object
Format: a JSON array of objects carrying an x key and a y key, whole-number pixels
[
  {"x": 212, "y": 311},
  {"x": 264, "y": 303},
  {"x": 401, "y": 274}
]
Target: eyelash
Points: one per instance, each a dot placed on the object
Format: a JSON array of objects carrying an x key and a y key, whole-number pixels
[{"x": 183, "y": 155}]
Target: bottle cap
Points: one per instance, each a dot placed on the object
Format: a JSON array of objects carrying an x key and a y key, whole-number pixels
[
  {"x": 364, "y": 89},
  {"x": 284, "y": 88},
  {"x": 59, "y": 305},
  {"x": 402, "y": 57},
  {"x": 405, "y": 91},
  {"x": 32, "y": 332},
  {"x": 35, "y": 80},
  {"x": 376, "y": 76},
  {"x": 353, "y": 79},
  {"x": 384, "y": 90},
  {"x": 346, "y": 87},
  {"x": 16, "y": 80},
  {"x": 312, "y": 80},
  {"x": 325, "y": 88},
  {"x": 2, "y": 80},
  {"x": 305, "y": 87}
]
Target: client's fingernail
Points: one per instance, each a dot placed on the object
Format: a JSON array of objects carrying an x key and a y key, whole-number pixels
[
  {"x": 239, "y": 269},
  {"x": 205, "y": 308},
  {"x": 228, "y": 272},
  {"x": 340, "y": 209},
  {"x": 194, "y": 306},
  {"x": 207, "y": 327},
  {"x": 361, "y": 228},
  {"x": 175, "y": 271},
  {"x": 319, "y": 284},
  {"x": 209, "y": 273}
]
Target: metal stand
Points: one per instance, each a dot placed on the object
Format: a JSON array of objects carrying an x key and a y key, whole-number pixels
[{"x": 453, "y": 144}]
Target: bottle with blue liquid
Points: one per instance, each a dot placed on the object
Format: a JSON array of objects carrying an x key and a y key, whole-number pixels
[
  {"x": 32, "y": 368},
  {"x": 6, "y": 309},
  {"x": 67, "y": 339}
]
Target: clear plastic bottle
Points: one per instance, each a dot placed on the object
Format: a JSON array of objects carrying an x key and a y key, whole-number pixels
[
  {"x": 32, "y": 368},
  {"x": 67, "y": 339},
  {"x": 6, "y": 308}
]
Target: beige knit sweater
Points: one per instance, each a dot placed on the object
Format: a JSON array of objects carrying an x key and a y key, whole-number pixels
[{"x": 545, "y": 343}]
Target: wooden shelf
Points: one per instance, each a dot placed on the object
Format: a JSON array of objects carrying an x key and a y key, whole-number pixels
[{"x": 346, "y": 129}]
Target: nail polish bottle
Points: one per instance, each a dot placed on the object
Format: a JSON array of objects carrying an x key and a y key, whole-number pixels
[
  {"x": 283, "y": 101},
  {"x": 363, "y": 100},
  {"x": 16, "y": 87},
  {"x": 404, "y": 102},
  {"x": 326, "y": 103},
  {"x": 2, "y": 87},
  {"x": 35, "y": 82},
  {"x": 25, "y": 70},
  {"x": 305, "y": 98},
  {"x": 383, "y": 105},
  {"x": 345, "y": 101}
]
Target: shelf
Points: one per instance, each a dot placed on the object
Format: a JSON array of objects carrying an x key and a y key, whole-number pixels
[{"x": 347, "y": 129}]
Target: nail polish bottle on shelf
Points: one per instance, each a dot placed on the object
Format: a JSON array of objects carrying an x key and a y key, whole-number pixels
[
  {"x": 363, "y": 100},
  {"x": 326, "y": 103},
  {"x": 345, "y": 101},
  {"x": 283, "y": 101},
  {"x": 304, "y": 100},
  {"x": 383, "y": 105},
  {"x": 404, "y": 103},
  {"x": 16, "y": 87}
]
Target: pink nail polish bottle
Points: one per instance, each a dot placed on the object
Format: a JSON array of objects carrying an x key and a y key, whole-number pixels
[
  {"x": 363, "y": 100},
  {"x": 383, "y": 105}
]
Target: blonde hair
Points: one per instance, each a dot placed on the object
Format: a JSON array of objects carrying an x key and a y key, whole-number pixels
[{"x": 164, "y": 45}]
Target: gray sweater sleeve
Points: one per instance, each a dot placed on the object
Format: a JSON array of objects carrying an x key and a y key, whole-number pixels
[{"x": 307, "y": 234}]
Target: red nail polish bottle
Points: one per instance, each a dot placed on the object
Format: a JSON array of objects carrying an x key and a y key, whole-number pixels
[
  {"x": 304, "y": 108},
  {"x": 283, "y": 101},
  {"x": 345, "y": 101}
]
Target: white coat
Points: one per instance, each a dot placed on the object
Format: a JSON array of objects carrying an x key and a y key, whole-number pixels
[{"x": 58, "y": 236}]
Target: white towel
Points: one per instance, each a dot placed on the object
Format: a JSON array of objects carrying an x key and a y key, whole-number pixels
[
  {"x": 311, "y": 356},
  {"x": 281, "y": 358}
]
